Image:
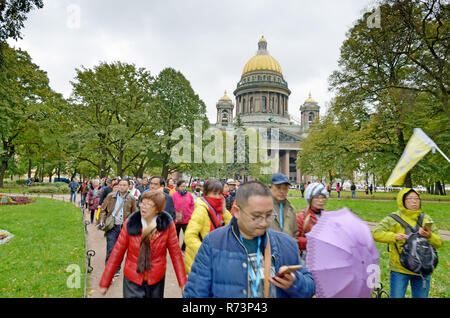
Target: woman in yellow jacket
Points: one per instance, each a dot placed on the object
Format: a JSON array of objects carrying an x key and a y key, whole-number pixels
[
  {"x": 209, "y": 213},
  {"x": 391, "y": 232}
]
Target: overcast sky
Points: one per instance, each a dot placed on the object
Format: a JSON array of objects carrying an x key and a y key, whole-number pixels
[{"x": 209, "y": 41}]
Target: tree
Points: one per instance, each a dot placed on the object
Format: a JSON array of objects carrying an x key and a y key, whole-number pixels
[
  {"x": 176, "y": 106},
  {"x": 112, "y": 116},
  {"x": 24, "y": 106},
  {"x": 380, "y": 90},
  {"x": 12, "y": 17}
]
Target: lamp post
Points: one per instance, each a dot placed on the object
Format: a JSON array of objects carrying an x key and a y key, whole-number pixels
[{"x": 43, "y": 165}]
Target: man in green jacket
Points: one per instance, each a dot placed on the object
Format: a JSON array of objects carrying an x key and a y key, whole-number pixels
[
  {"x": 286, "y": 217},
  {"x": 391, "y": 232}
]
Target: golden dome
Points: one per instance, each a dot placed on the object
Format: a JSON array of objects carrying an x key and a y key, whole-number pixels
[
  {"x": 262, "y": 60},
  {"x": 225, "y": 97},
  {"x": 310, "y": 100}
]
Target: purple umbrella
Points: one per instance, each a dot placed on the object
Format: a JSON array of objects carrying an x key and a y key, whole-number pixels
[{"x": 341, "y": 254}]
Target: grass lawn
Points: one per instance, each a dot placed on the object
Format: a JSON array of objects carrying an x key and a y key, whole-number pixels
[
  {"x": 377, "y": 195},
  {"x": 48, "y": 237},
  {"x": 375, "y": 211}
]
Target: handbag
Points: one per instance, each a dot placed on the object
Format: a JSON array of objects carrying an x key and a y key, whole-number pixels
[
  {"x": 109, "y": 222},
  {"x": 179, "y": 215}
]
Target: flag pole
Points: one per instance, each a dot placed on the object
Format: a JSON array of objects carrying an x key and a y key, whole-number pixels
[{"x": 437, "y": 148}]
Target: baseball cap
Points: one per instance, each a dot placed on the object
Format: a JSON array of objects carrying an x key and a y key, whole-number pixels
[{"x": 279, "y": 178}]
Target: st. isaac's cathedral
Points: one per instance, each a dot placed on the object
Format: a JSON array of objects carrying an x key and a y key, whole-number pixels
[{"x": 261, "y": 100}]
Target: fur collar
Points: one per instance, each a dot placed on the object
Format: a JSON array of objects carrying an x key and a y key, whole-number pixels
[{"x": 134, "y": 225}]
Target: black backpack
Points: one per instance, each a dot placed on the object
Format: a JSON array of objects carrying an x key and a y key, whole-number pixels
[{"x": 418, "y": 255}]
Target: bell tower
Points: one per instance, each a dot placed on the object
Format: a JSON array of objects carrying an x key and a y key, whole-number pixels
[{"x": 225, "y": 109}]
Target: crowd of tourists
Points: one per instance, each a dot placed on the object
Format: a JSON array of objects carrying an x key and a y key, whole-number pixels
[{"x": 239, "y": 240}]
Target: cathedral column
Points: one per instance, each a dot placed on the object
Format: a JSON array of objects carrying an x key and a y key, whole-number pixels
[{"x": 285, "y": 163}]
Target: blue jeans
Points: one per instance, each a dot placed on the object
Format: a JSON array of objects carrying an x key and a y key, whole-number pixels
[
  {"x": 73, "y": 195},
  {"x": 83, "y": 198},
  {"x": 353, "y": 194},
  {"x": 111, "y": 238},
  {"x": 420, "y": 287}
]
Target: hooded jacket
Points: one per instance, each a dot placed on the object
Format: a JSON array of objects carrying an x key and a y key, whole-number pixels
[
  {"x": 388, "y": 228},
  {"x": 199, "y": 225},
  {"x": 164, "y": 239}
]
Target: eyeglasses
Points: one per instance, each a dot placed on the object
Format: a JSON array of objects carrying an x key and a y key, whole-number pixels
[
  {"x": 259, "y": 219},
  {"x": 147, "y": 205},
  {"x": 412, "y": 199}
]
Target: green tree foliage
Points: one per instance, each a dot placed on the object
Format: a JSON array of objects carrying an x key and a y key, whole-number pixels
[
  {"x": 25, "y": 102},
  {"x": 12, "y": 16},
  {"x": 384, "y": 89},
  {"x": 176, "y": 105},
  {"x": 111, "y": 114}
]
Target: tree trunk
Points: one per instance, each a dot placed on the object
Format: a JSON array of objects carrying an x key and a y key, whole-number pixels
[
  {"x": 438, "y": 188},
  {"x": 3, "y": 168},
  {"x": 408, "y": 181},
  {"x": 30, "y": 165}
]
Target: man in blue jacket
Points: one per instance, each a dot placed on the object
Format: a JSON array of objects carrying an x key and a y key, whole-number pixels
[{"x": 233, "y": 261}]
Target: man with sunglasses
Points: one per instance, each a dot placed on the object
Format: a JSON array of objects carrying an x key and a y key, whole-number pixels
[{"x": 246, "y": 258}]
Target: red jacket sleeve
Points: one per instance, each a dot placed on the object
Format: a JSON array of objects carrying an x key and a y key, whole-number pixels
[
  {"x": 175, "y": 254},
  {"x": 116, "y": 257},
  {"x": 301, "y": 239}
]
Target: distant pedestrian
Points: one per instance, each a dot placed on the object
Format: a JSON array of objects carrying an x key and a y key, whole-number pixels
[
  {"x": 232, "y": 196},
  {"x": 158, "y": 183},
  {"x": 93, "y": 198},
  {"x": 302, "y": 189},
  {"x": 338, "y": 190},
  {"x": 184, "y": 206},
  {"x": 366, "y": 188},
  {"x": 353, "y": 189},
  {"x": 73, "y": 185},
  {"x": 371, "y": 189},
  {"x": 171, "y": 186}
]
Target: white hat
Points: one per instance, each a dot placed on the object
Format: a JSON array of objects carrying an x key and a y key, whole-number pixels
[
  {"x": 315, "y": 189},
  {"x": 231, "y": 181}
]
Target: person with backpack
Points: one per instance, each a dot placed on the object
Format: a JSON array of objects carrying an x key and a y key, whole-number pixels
[
  {"x": 209, "y": 214},
  {"x": 412, "y": 238}
]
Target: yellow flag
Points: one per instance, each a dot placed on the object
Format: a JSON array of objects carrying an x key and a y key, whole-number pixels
[{"x": 418, "y": 146}]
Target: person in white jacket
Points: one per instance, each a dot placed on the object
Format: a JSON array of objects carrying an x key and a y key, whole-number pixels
[{"x": 133, "y": 191}]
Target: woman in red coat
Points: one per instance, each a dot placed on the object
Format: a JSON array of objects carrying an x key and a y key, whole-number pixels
[
  {"x": 146, "y": 236},
  {"x": 316, "y": 195}
]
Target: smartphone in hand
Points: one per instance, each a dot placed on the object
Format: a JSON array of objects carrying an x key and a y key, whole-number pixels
[
  {"x": 428, "y": 225},
  {"x": 289, "y": 269}
]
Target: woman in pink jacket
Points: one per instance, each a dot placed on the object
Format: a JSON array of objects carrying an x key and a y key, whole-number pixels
[{"x": 184, "y": 206}]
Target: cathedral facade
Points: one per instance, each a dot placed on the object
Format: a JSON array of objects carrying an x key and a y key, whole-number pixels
[{"x": 261, "y": 101}]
